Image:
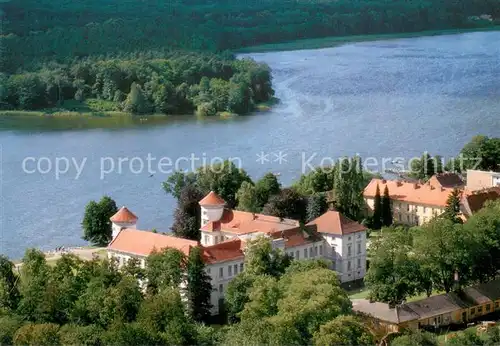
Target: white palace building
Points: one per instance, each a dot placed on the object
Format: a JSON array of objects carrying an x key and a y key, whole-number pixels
[{"x": 224, "y": 233}]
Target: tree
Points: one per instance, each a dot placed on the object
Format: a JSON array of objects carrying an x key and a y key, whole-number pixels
[
  {"x": 96, "y": 224},
  {"x": 394, "y": 274},
  {"x": 9, "y": 292},
  {"x": 136, "y": 102},
  {"x": 263, "y": 298},
  {"x": 130, "y": 334},
  {"x": 164, "y": 269},
  {"x": 377, "y": 210},
  {"x": 343, "y": 330},
  {"x": 199, "y": 287},
  {"x": 73, "y": 334},
  {"x": 286, "y": 204},
  {"x": 262, "y": 259},
  {"x": 415, "y": 338},
  {"x": 453, "y": 207},
  {"x": 176, "y": 182},
  {"x": 187, "y": 215},
  {"x": 316, "y": 206},
  {"x": 223, "y": 178},
  {"x": 386, "y": 206},
  {"x": 348, "y": 186},
  {"x": 237, "y": 295},
  {"x": 247, "y": 198},
  {"x": 122, "y": 301},
  {"x": 164, "y": 313},
  {"x": 425, "y": 167},
  {"x": 10, "y": 324},
  {"x": 35, "y": 276},
  {"x": 316, "y": 181},
  {"x": 45, "y": 334}
]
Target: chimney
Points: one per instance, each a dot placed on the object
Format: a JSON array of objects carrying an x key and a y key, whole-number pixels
[
  {"x": 384, "y": 181},
  {"x": 399, "y": 183},
  {"x": 432, "y": 187},
  {"x": 416, "y": 186},
  {"x": 254, "y": 216},
  {"x": 442, "y": 188}
]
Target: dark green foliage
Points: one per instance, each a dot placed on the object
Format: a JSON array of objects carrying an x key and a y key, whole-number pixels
[
  {"x": 236, "y": 295},
  {"x": 164, "y": 270},
  {"x": 316, "y": 206},
  {"x": 287, "y": 204},
  {"x": 453, "y": 207},
  {"x": 386, "y": 213},
  {"x": 168, "y": 83},
  {"x": 247, "y": 198},
  {"x": 9, "y": 325},
  {"x": 96, "y": 224},
  {"x": 133, "y": 334},
  {"x": 187, "y": 215},
  {"x": 317, "y": 180},
  {"x": 376, "y": 222},
  {"x": 348, "y": 186},
  {"x": 9, "y": 291},
  {"x": 426, "y": 167},
  {"x": 45, "y": 334},
  {"x": 73, "y": 334},
  {"x": 415, "y": 338},
  {"x": 199, "y": 287},
  {"x": 482, "y": 153},
  {"x": 266, "y": 187}
]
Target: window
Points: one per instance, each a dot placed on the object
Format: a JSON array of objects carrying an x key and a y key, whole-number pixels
[
  {"x": 407, "y": 218},
  {"x": 208, "y": 270},
  {"x": 310, "y": 252},
  {"x": 206, "y": 239},
  {"x": 235, "y": 269},
  {"x": 230, "y": 270},
  {"x": 399, "y": 216},
  {"x": 349, "y": 238},
  {"x": 315, "y": 251},
  {"x": 359, "y": 262},
  {"x": 348, "y": 250},
  {"x": 321, "y": 250},
  {"x": 348, "y": 265},
  {"x": 221, "y": 272},
  {"x": 359, "y": 235},
  {"x": 305, "y": 253},
  {"x": 399, "y": 206},
  {"x": 221, "y": 288},
  {"x": 407, "y": 207},
  {"x": 359, "y": 248},
  {"x": 425, "y": 210},
  {"x": 496, "y": 305},
  {"x": 472, "y": 311},
  {"x": 297, "y": 254},
  {"x": 479, "y": 309},
  {"x": 291, "y": 254},
  {"x": 488, "y": 308},
  {"x": 417, "y": 220},
  {"x": 241, "y": 267}
]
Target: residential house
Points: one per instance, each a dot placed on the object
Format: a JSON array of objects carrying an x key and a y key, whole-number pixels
[
  {"x": 442, "y": 310},
  {"x": 447, "y": 180},
  {"x": 478, "y": 180},
  {"x": 413, "y": 203},
  {"x": 473, "y": 201},
  {"x": 225, "y": 233}
]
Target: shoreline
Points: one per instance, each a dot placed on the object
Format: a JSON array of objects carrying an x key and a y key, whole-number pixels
[{"x": 335, "y": 41}]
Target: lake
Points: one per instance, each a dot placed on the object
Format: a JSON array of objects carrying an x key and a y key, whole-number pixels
[{"x": 381, "y": 99}]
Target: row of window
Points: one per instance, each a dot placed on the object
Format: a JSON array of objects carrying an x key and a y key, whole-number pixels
[
  {"x": 349, "y": 264},
  {"x": 308, "y": 253},
  {"x": 349, "y": 249},
  {"x": 417, "y": 208},
  {"x": 218, "y": 239},
  {"x": 232, "y": 270},
  {"x": 480, "y": 309}
]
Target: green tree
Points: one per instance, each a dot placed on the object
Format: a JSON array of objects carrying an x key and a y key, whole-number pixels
[
  {"x": 348, "y": 186},
  {"x": 130, "y": 334},
  {"x": 136, "y": 102},
  {"x": 45, "y": 334},
  {"x": 386, "y": 213},
  {"x": 453, "y": 207},
  {"x": 237, "y": 295},
  {"x": 9, "y": 292},
  {"x": 199, "y": 287},
  {"x": 34, "y": 280},
  {"x": 223, "y": 178},
  {"x": 466, "y": 338},
  {"x": 73, "y": 334},
  {"x": 164, "y": 269},
  {"x": 10, "y": 324},
  {"x": 266, "y": 187},
  {"x": 376, "y": 222},
  {"x": 415, "y": 338},
  {"x": 187, "y": 215},
  {"x": 96, "y": 224},
  {"x": 263, "y": 298},
  {"x": 425, "y": 167},
  {"x": 394, "y": 274},
  {"x": 247, "y": 198},
  {"x": 286, "y": 204},
  {"x": 316, "y": 206},
  {"x": 176, "y": 182},
  {"x": 343, "y": 330},
  {"x": 262, "y": 259}
]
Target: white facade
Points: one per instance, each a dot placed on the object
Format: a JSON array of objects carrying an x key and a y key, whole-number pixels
[{"x": 116, "y": 227}]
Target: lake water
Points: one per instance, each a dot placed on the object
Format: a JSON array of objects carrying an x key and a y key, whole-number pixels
[{"x": 379, "y": 99}]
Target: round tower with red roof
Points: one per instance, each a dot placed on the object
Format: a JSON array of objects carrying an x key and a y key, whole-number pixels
[
  {"x": 124, "y": 218},
  {"x": 212, "y": 208}
]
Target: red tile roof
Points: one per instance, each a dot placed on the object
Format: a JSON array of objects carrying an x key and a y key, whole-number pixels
[
  {"x": 415, "y": 193},
  {"x": 124, "y": 215},
  {"x": 242, "y": 222},
  {"x": 212, "y": 199},
  {"x": 297, "y": 237},
  {"x": 229, "y": 250},
  {"x": 449, "y": 180},
  {"x": 473, "y": 201},
  {"x": 333, "y": 222},
  {"x": 142, "y": 243}
]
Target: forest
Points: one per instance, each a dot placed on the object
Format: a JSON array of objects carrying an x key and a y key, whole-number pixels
[{"x": 151, "y": 56}]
